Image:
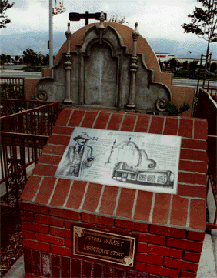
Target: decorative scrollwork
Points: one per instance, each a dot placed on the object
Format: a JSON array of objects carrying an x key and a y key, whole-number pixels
[
  {"x": 161, "y": 105},
  {"x": 78, "y": 231},
  {"x": 42, "y": 95}
]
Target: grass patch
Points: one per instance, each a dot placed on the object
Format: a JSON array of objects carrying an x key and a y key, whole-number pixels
[
  {"x": 32, "y": 69},
  {"x": 187, "y": 74}
]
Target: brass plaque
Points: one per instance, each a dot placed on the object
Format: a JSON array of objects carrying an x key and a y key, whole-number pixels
[{"x": 108, "y": 247}]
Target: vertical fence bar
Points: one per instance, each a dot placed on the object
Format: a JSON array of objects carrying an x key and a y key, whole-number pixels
[
  {"x": 15, "y": 171},
  {"x": 5, "y": 107},
  {"x": 5, "y": 162},
  {"x": 10, "y": 109},
  {"x": 16, "y": 87},
  {"x": 49, "y": 120},
  {"x": 2, "y": 165},
  {"x": 23, "y": 158}
]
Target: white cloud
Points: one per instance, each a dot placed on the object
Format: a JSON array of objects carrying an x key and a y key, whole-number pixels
[
  {"x": 156, "y": 18},
  {"x": 163, "y": 19},
  {"x": 30, "y": 17}
]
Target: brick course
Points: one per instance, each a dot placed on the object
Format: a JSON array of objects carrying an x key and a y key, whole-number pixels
[{"x": 167, "y": 252}]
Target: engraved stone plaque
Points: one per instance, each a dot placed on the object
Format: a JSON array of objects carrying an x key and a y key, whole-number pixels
[{"x": 103, "y": 246}]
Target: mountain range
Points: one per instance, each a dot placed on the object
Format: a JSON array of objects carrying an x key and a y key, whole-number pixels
[{"x": 16, "y": 43}]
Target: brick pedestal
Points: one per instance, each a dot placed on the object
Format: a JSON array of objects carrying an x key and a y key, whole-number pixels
[{"x": 170, "y": 228}]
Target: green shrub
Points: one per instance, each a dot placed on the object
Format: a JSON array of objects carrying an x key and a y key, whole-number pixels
[
  {"x": 184, "y": 107},
  {"x": 173, "y": 110}
]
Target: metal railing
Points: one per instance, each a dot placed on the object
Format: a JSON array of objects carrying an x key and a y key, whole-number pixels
[
  {"x": 12, "y": 88},
  {"x": 12, "y": 106},
  {"x": 39, "y": 120},
  {"x": 212, "y": 92},
  {"x": 18, "y": 152},
  {"x": 24, "y": 134},
  {"x": 207, "y": 109},
  {"x": 212, "y": 173}
]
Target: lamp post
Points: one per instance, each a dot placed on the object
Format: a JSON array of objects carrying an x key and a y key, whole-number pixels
[
  {"x": 50, "y": 42},
  {"x": 86, "y": 16}
]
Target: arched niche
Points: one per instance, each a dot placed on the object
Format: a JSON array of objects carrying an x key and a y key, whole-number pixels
[{"x": 100, "y": 71}]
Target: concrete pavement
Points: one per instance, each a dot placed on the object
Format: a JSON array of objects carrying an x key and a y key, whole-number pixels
[
  {"x": 20, "y": 74},
  {"x": 211, "y": 207},
  {"x": 17, "y": 270},
  {"x": 192, "y": 83}
]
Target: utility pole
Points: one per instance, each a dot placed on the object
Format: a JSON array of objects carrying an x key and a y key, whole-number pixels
[{"x": 50, "y": 42}]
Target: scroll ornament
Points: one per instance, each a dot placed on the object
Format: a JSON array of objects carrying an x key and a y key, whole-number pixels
[
  {"x": 161, "y": 104},
  {"x": 42, "y": 95}
]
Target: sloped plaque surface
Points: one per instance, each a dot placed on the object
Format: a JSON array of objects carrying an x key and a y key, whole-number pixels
[
  {"x": 109, "y": 247},
  {"x": 128, "y": 159}
]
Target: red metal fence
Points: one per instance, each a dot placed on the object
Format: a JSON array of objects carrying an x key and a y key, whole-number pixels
[
  {"x": 207, "y": 109},
  {"x": 39, "y": 120},
  {"x": 24, "y": 134},
  {"x": 12, "y": 88},
  {"x": 212, "y": 92},
  {"x": 212, "y": 170},
  {"x": 12, "y": 106}
]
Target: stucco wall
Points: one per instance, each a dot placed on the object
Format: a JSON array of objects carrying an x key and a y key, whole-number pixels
[
  {"x": 181, "y": 94},
  {"x": 164, "y": 78},
  {"x": 47, "y": 72}
]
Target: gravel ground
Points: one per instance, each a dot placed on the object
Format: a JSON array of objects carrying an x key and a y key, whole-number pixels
[{"x": 11, "y": 237}]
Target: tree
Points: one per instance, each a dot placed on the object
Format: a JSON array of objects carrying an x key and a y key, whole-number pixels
[
  {"x": 4, "y": 59},
  {"x": 45, "y": 60},
  {"x": 172, "y": 63},
  {"x": 213, "y": 67},
  {"x": 40, "y": 58},
  {"x": 204, "y": 24},
  {"x": 185, "y": 64},
  {"x": 4, "y": 5},
  {"x": 192, "y": 67},
  {"x": 30, "y": 57},
  {"x": 116, "y": 19}
]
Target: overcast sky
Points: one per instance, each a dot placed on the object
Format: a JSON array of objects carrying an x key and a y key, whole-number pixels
[{"x": 156, "y": 18}]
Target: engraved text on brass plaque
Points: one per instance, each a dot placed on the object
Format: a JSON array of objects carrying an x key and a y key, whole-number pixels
[{"x": 108, "y": 247}]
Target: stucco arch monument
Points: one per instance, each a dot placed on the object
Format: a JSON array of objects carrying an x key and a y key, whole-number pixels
[{"x": 110, "y": 66}]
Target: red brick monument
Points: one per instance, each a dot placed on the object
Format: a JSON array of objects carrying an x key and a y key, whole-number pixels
[{"x": 74, "y": 228}]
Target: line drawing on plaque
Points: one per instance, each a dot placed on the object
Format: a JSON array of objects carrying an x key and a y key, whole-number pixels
[
  {"x": 120, "y": 158},
  {"x": 78, "y": 157},
  {"x": 134, "y": 166}
]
